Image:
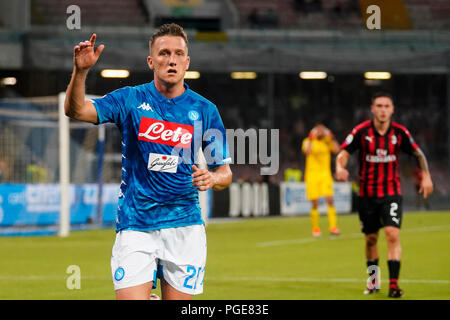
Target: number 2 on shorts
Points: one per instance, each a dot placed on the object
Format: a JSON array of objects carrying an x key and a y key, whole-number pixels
[
  {"x": 394, "y": 207},
  {"x": 193, "y": 271}
]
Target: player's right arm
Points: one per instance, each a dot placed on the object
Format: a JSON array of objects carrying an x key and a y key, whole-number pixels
[
  {"x": 307, "y": 144},
  {"x": 75, "y": 104},
  {"x": 341, "y": 165},
  {"x": 350, "y": 145}
]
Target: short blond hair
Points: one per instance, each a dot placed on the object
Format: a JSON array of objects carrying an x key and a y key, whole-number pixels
[{"x": 169, "y": 29}]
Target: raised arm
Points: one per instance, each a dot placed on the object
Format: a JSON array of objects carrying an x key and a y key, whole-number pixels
[
  {"x": 334, "y": 145},
  {"x": 75, "y": 104},
  {"x": 307, "y": 143},
  {"x": 426, "y": 185}
]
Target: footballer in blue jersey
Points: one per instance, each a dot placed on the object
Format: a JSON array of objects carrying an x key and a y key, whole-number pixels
[
  {"x": 164, "y": 125},
  {"x": 161, "y": 139}
]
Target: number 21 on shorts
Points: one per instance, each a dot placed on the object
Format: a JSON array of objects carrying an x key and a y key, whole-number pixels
[{"x": 193, "y": 278}]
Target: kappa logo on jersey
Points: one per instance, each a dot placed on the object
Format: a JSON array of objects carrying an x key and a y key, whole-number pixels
[
  {"x": 165, "y": 132},
  {"x": 145, "y": 106}
]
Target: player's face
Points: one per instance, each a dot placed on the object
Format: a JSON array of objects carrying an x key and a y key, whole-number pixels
[
  {"x": 168, "y": 59},
  {"x": 320, "y": 131},
  {"x": 382, "y": 109}
]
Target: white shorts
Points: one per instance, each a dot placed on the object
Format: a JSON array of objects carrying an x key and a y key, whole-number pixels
[{"x": 176, "y": 254}]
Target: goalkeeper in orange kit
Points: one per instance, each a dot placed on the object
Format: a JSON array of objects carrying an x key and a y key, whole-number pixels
[{"x": 318, "y": 147}]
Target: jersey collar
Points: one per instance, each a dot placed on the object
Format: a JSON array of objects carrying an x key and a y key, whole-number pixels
[
  {"x": 161, "y": 98},
  {"x": 375, "y": 131}
]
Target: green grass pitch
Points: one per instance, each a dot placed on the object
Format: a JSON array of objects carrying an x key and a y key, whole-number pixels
[{"x": 265, "y": 258}]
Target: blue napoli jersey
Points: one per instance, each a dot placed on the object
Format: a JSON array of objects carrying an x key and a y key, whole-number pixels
[{"x": 161, "y": 139}]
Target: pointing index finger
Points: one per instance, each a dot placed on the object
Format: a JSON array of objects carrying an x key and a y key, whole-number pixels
[{"x": 92, "y": 39}]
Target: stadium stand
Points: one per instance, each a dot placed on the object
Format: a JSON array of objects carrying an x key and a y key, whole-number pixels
[
  {"x": 315, "y": 14},
  {"x": 101, "y": 12},
  {"x": 428, "y": 14},
  {"x": 312, "y": 14},
  {"x": 282, "y": 14}
]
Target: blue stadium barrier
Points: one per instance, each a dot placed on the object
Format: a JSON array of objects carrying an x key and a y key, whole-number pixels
[{"x": 39, "y": 204}]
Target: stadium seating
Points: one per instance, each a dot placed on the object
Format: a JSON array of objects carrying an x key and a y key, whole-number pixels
[
  {"x": 319, "y": 17},
  {"x": 425, "y": 14},
  {"x": 428, "y": 14},
  {"x": 99, "y": 12},
  {"x": 330, "y": 14}
]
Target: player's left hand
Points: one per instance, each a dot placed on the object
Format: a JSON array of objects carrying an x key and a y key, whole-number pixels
[
  {"x": 203, "y": 179},
  {"x": 329, "y": 133},
  {"x": 312, "y": 134},
  {"x": 426, "y": 186}
]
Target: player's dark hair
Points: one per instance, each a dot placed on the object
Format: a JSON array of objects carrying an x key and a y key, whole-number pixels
[
  {"x": 169, "y": 29},
  {"x": 382, "y": 94}
]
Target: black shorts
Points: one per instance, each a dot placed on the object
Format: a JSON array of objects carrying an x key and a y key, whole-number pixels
[{"x": 376, "y": 213}]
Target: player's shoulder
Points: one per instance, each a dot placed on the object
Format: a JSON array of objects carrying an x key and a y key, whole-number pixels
[
  {"x": 399, "y": 127},
  {"x": 201, "y": 101},
  {"x": 140, "y": 89},
  {"x": 361, "y": 127},
  {"x": 128, "y": 93},
  {"x": 123, "y": 91},
  {"x": 140, "y": 93},
  {"x": 305, "y": 141}
]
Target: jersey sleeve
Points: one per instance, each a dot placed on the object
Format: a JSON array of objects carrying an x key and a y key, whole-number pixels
[
  {"x": 408, "y": 145},
  {"x": 352, "y": 142},
  {"x": 215, "y": 144},
  {"x": 111, "y": 107},
  {"x": 305, "y": 143}
]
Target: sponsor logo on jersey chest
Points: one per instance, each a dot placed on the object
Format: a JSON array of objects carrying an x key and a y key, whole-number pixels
[
  {"x": 164, "y": 132},
  {"x": 162, "y": 162},
  {"x": 381, "y": 156}
]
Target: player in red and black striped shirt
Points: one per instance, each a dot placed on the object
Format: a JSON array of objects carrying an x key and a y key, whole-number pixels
[{"x": 379, "y": 142}]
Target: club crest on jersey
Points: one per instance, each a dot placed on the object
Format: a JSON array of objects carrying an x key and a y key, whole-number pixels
[
  {"x": 193, "y": 115},
  {"x": 165, "y": 132},
  {"x": 394, "y": 139}
]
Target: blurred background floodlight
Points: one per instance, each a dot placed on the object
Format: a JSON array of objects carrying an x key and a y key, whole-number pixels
[
  {"x": 115, "y": 73},
  {"x": 313, "y": 75},
  {"x": 192, "y": 74},
  {"x": 9, "y": 81},
  {"x": 249, "y": 75},
  {"x": 377, "y": 75}
]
